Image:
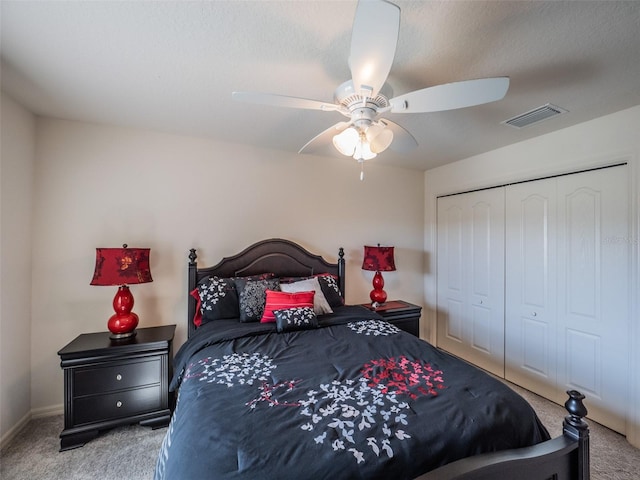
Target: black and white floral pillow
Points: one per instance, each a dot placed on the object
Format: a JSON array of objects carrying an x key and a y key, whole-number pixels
[
  {"x": 218, "y": 299},
  {"x": 252, "y": 297},
  {"x": 331, "y": 290},
  {"x": 296, "y": 318}
]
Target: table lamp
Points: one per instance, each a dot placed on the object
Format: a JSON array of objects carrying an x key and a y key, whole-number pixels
[
  {"x": 378, "y": 259},
  {"x": 123, "y": 267}
]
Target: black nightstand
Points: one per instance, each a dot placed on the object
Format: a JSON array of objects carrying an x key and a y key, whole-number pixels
[
  {"x": 403, "y": 315},
  {"x": 108, "y": 383}
]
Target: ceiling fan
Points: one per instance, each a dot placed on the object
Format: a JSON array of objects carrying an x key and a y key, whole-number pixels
[{"x": 365, "y": 97}]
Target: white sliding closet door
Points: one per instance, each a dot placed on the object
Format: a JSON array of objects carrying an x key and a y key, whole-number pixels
[
  {"x": 530, "y": 294},
  {"x": 567, "y": 290},
  {"x": 593, "y": 291},
  {"x": 470, "y": 318}
]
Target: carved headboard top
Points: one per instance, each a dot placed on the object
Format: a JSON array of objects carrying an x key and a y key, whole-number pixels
[{"x": 282, "y": 257}]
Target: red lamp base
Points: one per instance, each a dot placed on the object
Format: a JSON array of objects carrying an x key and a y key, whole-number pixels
[
  {"x": 123, "y": 323},
  {"x": 378, "y": 295}
]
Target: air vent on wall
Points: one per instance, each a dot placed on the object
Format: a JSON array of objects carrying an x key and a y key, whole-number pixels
[{"x": 534, "y": 116}]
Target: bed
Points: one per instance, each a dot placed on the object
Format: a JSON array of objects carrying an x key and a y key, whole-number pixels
[{"x": 295, "y": 391}]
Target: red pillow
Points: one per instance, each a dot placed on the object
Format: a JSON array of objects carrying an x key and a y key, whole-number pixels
[
  {"x": 197, "y": 318},
  {"x": 282, "y": 300}
]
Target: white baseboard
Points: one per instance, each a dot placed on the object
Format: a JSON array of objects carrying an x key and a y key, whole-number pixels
[
  {"x": 34, "y": 413},
  {"x": 47, "y": 411},
  {"x": 13, "y": 431}
]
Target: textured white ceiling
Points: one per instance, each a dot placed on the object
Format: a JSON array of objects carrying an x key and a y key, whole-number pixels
[{"x": 171, "y": 66}]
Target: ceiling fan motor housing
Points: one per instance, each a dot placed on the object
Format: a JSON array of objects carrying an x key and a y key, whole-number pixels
[{"x": 362, "y": 109}]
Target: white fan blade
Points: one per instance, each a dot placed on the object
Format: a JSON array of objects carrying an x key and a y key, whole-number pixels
[
  {"x": 284, "y": 101},
  {"x": 403, "y": 141},
  {"x": 373, "y": 44},
  {"x": 451, "y": 96},
  {"x": 325, "y": 138}
]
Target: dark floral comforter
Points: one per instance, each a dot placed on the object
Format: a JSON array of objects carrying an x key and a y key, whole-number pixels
[{"x": 355, "y": 398}]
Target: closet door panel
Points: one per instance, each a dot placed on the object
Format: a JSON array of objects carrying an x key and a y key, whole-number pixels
[
  {"x": 452, "y": 318},
  {"x": 481, "y": 254},
  {"x": 451, "y": 288},
  {"x": 471, "y": 272},
  {"x": 481, "y": 329},
  {"x": 582, "y": 215},
  {"x": 530, "y": 301},
  {"x": 486, "y": 290},
  {"x": 480, "y": 335},
  {"x": 536, "y": 357},
  {"x": 593, "y": 288}
]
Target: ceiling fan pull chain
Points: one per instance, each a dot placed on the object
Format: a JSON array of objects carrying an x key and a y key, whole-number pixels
[{"x": 361, "y": 171}]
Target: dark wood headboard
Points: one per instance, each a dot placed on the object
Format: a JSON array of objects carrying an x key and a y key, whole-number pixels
[{"x": 282, "y": 257}]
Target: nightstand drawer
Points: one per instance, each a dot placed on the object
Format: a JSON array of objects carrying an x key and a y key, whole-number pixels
[
  {"x": 409, "y": 325},
  {"x": 97, "y": 408},
  {"x": 102, "y": 379}
]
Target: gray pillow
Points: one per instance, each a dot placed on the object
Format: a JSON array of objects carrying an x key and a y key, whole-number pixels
[{"x": 252, "y": 297}]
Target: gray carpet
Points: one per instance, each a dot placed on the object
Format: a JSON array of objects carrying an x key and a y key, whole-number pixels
[
  {"x": 129, "y": 453},
  {"x": 124, "y": 453},
  {"x": 612, "y": 457}
]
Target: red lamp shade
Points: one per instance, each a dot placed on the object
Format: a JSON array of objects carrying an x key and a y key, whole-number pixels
[
  {"x": 378, "y": 259},
  {"x": 122, "y": 266}
]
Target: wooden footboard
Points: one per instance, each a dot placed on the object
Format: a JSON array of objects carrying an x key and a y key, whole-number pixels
[{"x": 561, "y": 458}]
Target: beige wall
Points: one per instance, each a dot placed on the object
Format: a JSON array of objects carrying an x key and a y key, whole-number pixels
[
  {"x": 16, "y": 190},
  {"x": 99, "y": 186},
  {"x": 607, "y": 140}
]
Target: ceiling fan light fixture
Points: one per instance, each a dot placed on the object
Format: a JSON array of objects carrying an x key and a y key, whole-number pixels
[
  {"x": 379, "y": 138},
  {"x": 363, "y": 149},
  {"x": 346, "y": 141},
  {"x": 353, "y": 143}
]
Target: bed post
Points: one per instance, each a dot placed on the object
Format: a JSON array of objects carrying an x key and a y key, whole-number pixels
[
  {"x": 341, "y": 271},
  {"x": 575, "y": 427},
  {"x": 191, "y": 278}
]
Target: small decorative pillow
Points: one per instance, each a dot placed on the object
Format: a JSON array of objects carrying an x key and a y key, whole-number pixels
[
  {"x": 252, "y": 297},
  {"x": 197, "y": 317},
  {"x": 331, "y": 289},
  {"x": 297, "y": 318},
  {"x": 218, "y": 299},
  {"x": 282, "y": 300},
  {"x": 320, "y": 304}
]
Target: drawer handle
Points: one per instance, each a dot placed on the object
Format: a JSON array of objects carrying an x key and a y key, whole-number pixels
[
  {"x": 118, "y": 377},
  {"x": 118, "y": 404}
]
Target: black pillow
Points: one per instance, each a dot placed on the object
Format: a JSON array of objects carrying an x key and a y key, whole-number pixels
[
  {"x": 331, "y": 290},
  {"x": 296, "y": 318},
  {"x": 252, "y": 296},
  {"x": 218, "y": 299}
]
